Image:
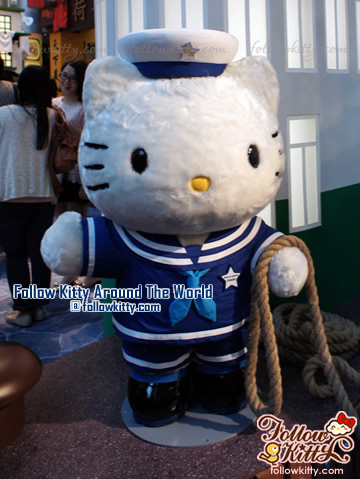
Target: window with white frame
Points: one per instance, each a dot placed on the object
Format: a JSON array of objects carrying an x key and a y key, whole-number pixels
[
  {"x": 268, "y": 214},
  {"x": 171, "y": 13},
  {"x": 5, "y": 25},
  {"x": 136, "y": 15},
  {"x": 303, "y": 172},
  {"x": 336, "y": 35},
  {"x": 194, "y": 14},
  {"x": 7, "y": 59},
  {"x": 300, "y": 34},
  {"x": 247, "y": 21},
  {"x": 100, "y": 28},
  {"x": 181, "y": 13},
  {"x": 357, "y": 13}
]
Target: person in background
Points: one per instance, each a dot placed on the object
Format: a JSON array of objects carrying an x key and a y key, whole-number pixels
[
  {"x": 71, "y": 84},
  {"x": 27, "y": 199},
  {"x": 73, "y": 197},
  {"x": 8, "y": 90},
  {"x": 54, "y": 88},
  {"x": 8, "y": 96}
]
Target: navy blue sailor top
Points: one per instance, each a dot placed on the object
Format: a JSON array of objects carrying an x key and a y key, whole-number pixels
[{"x": 224, "y": 261}]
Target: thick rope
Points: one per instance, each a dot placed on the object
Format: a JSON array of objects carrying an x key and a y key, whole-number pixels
[
  {"x": 293, "y": 329},
  {"x": 313, "y": 333}
]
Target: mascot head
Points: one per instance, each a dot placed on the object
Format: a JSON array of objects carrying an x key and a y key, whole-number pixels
[{"x": 179, "y": 140}]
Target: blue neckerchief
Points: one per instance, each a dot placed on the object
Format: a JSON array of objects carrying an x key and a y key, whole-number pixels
[{"x": 180, "y": 307}]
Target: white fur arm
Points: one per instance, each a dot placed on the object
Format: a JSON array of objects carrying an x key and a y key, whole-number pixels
[
  {"x": 62, "y": 245},
  {"x": 288, "y": 271}
]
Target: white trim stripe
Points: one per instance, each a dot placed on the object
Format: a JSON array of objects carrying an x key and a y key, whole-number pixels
[
  {"x": 148, "y": 364},
  {"x": 154, "y": 245},
  {"x": 180, "y": 250},
  {"x": 261, "y": 248},
  {"x": 207, "y": 258},
  {"x": 227, "y": 239},
  {"x": 177, "y": 336},
  {"x": 151, "y": 257},
  {"x": 91, "y": 263},
  {"x": 224, "y": 358},
  {"x": 236, "y": 247}
]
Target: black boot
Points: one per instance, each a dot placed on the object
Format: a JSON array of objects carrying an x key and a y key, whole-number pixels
[
  {"x": 220, "y": 393},
  {"x": 158, "y": 404}
]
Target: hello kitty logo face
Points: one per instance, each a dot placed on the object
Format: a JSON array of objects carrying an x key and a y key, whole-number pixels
[
  {"x": 337, "y": 429},
  {"x": 342, "y": 425},
  {"x": 181, "y": 156}
]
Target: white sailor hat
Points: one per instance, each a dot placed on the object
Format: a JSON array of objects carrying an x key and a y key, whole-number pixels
[{"x": 175, "y": 53}]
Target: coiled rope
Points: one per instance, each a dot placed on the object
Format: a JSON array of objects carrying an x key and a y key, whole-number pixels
[{"x": 302, "y": 337}]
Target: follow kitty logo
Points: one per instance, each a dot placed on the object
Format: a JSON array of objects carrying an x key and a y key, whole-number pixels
[{"x": 302, "y": 445}]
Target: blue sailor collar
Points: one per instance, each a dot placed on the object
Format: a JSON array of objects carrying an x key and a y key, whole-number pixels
[{"x": 166, "y": 249}]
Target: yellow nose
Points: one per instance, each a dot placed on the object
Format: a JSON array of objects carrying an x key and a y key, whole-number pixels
[{"x": 200, "y": 183}]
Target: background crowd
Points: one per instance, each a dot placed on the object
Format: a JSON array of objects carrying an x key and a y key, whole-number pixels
[{"x": 28, "y": 202}]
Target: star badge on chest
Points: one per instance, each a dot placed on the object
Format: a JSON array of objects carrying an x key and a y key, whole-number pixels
[{"x": 230, "y": 278}]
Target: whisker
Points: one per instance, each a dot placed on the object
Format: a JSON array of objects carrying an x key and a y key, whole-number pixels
[
  {"x": 96, "y": 146},
  {"x": 94, "y": 167},
  {"x": 103, "y": 186}
]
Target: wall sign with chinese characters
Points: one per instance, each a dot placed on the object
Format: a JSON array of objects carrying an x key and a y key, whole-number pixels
[
  {"x": 55, "y": 55},
  {"x": 80, "y": 15},
  {"x": 47, "y": 15}
]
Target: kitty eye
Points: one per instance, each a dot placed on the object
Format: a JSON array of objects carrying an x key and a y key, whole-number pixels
[
  {"x": 94, "y": 167},
  {"x": 274, "y": 135},
  {"x": 253, "y": 156},
  {"x": 101, "y": 186},
  {"x": 96, "y": 146},
  {"x": 139, "y": 160}
]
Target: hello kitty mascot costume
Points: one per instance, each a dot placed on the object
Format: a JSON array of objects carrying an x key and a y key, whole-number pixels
[{"x": 180, "y": 151}]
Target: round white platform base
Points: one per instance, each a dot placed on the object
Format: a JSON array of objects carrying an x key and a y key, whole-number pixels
[{"x": 196, "y": 428}]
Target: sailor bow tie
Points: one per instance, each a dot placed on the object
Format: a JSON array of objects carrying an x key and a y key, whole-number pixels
[{"x": 179, "y": 308}]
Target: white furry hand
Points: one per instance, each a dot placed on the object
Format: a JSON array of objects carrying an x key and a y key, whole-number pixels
[
  {"x": 288, "y": 271},
  {"x": 62, "y": 247}
]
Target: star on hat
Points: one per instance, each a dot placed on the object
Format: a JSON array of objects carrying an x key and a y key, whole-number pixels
[{"x": 188, "y": 51}]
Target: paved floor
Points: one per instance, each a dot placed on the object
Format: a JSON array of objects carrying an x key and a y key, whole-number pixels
[
  {"x": 61, "y": 333},
  {"x": 74, "y": 428}
]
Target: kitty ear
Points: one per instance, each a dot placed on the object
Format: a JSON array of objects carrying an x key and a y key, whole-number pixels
[
  {"x": 257, "y": 75},
  {"x": 107, "y": 78}
]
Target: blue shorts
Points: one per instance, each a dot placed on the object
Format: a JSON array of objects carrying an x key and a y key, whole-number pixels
[{"x": 166, "y": 362}]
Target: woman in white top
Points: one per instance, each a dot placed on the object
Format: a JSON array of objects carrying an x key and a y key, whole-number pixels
[
  {"x": 8, "y": 90},
  {"x": 26, "y": 193},
  {"x": 71, "y": 84}
]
